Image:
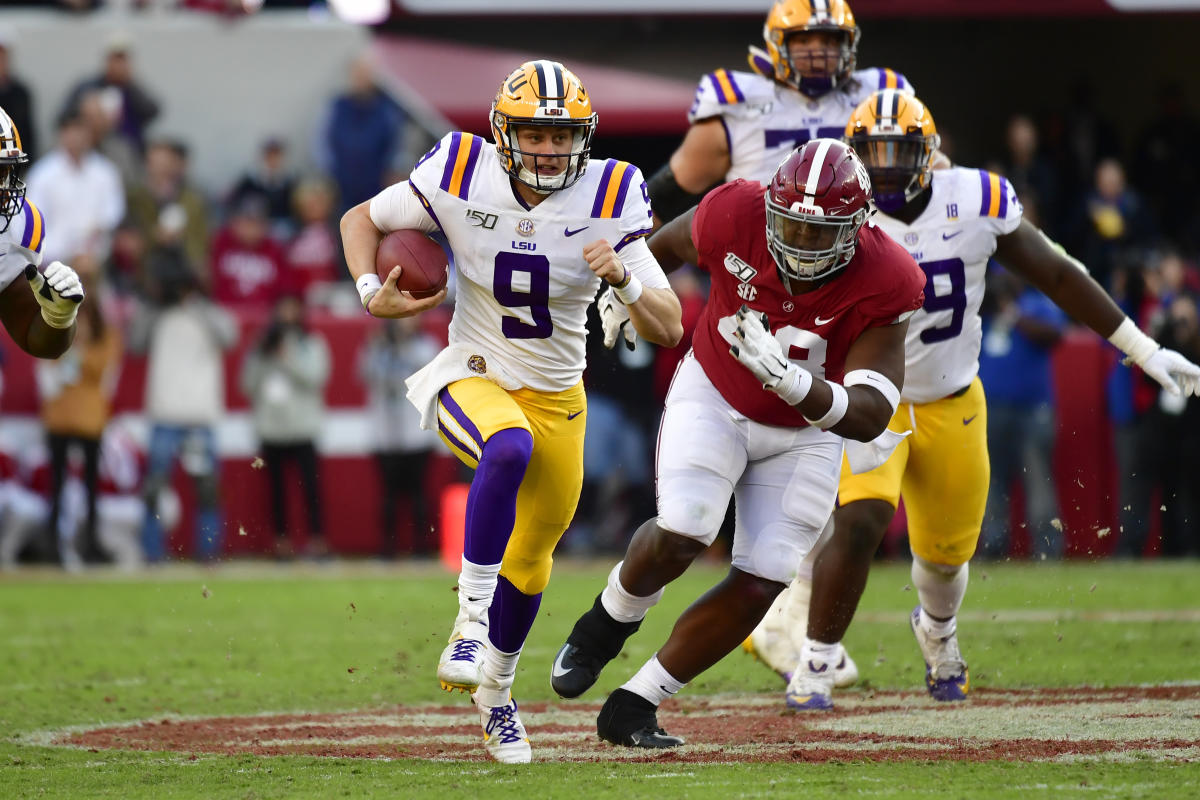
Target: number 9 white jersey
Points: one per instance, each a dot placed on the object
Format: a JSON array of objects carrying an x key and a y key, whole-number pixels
[
  {"x": 952, "y": 241},
  {"x": 523, "y": 286}
]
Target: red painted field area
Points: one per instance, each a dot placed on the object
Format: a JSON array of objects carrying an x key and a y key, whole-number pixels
[{"x": 1115, "y": 724}]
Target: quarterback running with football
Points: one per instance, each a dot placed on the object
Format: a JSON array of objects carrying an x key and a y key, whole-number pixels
[
  {"x": 39, "y": 311},
  {"x": 800, "y": 344},
  {"x": 952, "y": 221},
  {"x": 533, "y": 227}
]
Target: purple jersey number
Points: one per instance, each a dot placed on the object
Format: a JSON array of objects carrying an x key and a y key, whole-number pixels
[
  {"x": 773, "y": 138},
  {"x": 954, "y": 301},
  {"x": 536, "y": 298}
]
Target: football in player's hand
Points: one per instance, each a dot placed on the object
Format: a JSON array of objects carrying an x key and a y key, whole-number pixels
[{"x": 422, "y": 262}]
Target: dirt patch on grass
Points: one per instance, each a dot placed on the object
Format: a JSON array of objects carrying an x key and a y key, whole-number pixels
[{"x": 1117, "y": 724}]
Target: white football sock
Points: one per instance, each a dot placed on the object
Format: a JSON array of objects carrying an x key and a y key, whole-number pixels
[
  {"x": 940, "y": 588},
  {"x": 476, "y": 586},
  {"x": 653, "y": 682},
  {"x": 499, "y": 671},
  {"x": 819, "y": 653},
  {"x": 620, "y": 604}
]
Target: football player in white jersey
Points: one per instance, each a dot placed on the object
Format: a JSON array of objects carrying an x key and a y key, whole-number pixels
[
  {"x": 743, "y": 124},
  {"x": 54, "y": 291},
  {"x": 952, "y": 221},
  {"x": 534, "y": 228}
]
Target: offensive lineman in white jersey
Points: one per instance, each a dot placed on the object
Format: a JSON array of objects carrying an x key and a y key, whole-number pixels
[
  {"x": 54, "y": 291},
  {"x": 534, "y": 228},
  {"x": 952, "y": 222}
]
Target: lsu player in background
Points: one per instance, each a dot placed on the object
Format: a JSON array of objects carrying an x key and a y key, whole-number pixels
[
  {"x": 55, "y": 292},
  {"x": 800, "y": 345},
  {"x": 534, "y": 228},
  {"x": 952, "y": 221}
]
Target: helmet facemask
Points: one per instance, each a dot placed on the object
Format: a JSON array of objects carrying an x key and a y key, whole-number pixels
[
  {"x": 523, "y": 164},
  {"x": 806, "y": 244},
  {"x": 816, "y": 72},
  {"x": 899, "y": 166},
  {"x": 12, "y": 192}
]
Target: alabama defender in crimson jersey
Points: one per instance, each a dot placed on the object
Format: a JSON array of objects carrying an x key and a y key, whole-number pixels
[{"x": 801, "y": 344}]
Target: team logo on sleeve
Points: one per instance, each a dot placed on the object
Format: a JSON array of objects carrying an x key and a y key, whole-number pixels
[{"x": 744, "y": 273}]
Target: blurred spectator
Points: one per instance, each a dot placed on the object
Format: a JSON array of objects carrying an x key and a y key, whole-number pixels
[
  {"x": 1031, "y": 173},
  {"x": 402, "y": 449},
  {"x": 185, "y": 339},
  {"x": 248, "y": 266},
  {"x": 168, "y": 210},
  {"x": 1164, "y": 456},
  {"x": 76, "y": 390},
  {"x": 99, "y": 115},
  {"x": 136, "y": 108},
  {"x": 15, "y": 98},
  {"x": 80, "y": 190},
  {"x": 315, "y": 254},
  {"x": 362, "y": 137},
  {"x": 1078, "y": 138},
  {"x": 1168, "y": 166},
  {"x": 284, "y": 375},
  {"x": 125, "y": 268},
  {"x": 23, "y": 506},
  {"x": 1019, "y": 336},
  {"x": 1111, "y": 225},
  {"x": 273, "y": 182}
]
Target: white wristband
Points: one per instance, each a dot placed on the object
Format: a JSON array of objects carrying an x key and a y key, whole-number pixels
[
  {"x": 1130, "y": 340},
  {"x": 837, "y": 409},
  {"x": 367, "y": 286},
  {"x": 794, "y": 386},
  {"x": 629, "y": 290}
]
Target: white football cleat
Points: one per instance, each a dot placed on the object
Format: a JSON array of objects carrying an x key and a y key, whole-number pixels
[
  {"x": 461, "y": 663},
  {"x": 811, "y": 687},
  {"x": 946, "y": 675},
  {"x": 504, "y": 736}
]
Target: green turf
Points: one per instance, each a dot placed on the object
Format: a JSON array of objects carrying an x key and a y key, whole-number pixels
[{"x": 248, "y": 639}]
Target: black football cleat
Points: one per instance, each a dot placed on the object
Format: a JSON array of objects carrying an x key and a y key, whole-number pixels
[
  {"x": 630, "y": 720},
  {"x": 595, "y": 640}
]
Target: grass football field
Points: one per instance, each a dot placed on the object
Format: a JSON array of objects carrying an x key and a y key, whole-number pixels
[{"x": 1085, "y": 683}]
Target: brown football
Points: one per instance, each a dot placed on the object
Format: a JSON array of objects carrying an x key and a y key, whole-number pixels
[{"x": 422, "y": 262}]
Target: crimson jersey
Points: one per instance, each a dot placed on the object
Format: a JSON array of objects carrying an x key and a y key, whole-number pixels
[{"x": 880, "y": 285}]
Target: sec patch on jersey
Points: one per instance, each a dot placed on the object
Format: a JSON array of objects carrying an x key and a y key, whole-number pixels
[{"x": 422, "y": 262}]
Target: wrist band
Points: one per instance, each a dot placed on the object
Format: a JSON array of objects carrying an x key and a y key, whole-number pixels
[
  {"x": 1130, "y": 340},
  {"x": 60, "y": 321},
  {"x": 836, "y": 411},
  {"x": 621, "y": 284},
  {"x": 629, "y": 290},
  {"x": 798, "y": 384},
  {"x": 367, "y": 286}
]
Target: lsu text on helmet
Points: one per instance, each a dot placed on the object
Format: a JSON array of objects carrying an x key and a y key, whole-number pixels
[
  {"x": 816, "y": 68},
  {"x": 543, "y": 93},
  {"x": 894, "y": 135},
  {"x": 817, "y": 202},
  {"x": 12, "y": 188}
]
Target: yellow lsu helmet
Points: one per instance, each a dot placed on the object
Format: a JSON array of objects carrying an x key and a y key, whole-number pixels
[
  {"x": 893, "y": 132},
  {"x": 12, "y": 188},
  {"x": 543, "y": 93},
  {"x": 816, "y": 72}
]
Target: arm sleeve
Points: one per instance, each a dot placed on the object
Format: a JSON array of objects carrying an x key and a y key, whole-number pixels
[
  {"x": 999, "y": 207},
  {"x": 399, "y": 207},
  {"x": 715, "y": 92},
  {"x": 638, "y": 259},
  {"x": 637, "y": 220}
]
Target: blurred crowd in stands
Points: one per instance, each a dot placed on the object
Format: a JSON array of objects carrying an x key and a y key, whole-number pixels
[{"x": 174, "y": 270}]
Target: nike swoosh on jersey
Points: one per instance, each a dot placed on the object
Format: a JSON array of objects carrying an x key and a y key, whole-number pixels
[
  {"x": 576, "y": 414},
  {"x": 947, "y": 236},
  {"x": 558, "y": 670},
  {"x": 970, "y": 419},
  {"x": 569, "y": 232},
  {"x": 820, "y": 321}
]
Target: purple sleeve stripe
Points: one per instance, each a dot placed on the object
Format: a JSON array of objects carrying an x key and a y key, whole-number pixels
[
  {"x": 28, "y": 235},
  {"x": 630, "y": 238},
  {"x": 455, "y": 411},
  {"x": 1005, "y": 191},
  {"x": 451, "y": 158},
  {"x": 624, "y": 187},
  {"x": 425, "y": 203},
  {"x": 472, "y": 159},
  {"x": 736, "y": 90},
  {"x": 602, "y": 188},
  {"x": 986, "y": 182},
  {"x": 454, "y": 441}
]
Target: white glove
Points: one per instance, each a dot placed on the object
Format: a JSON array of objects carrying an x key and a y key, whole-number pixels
[
  {"x": 614, "y": 318},
  {"x": 751, "y": 343},
  {"x": 57, "y": 290},
  {"x": 1176, "y": 374}
]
